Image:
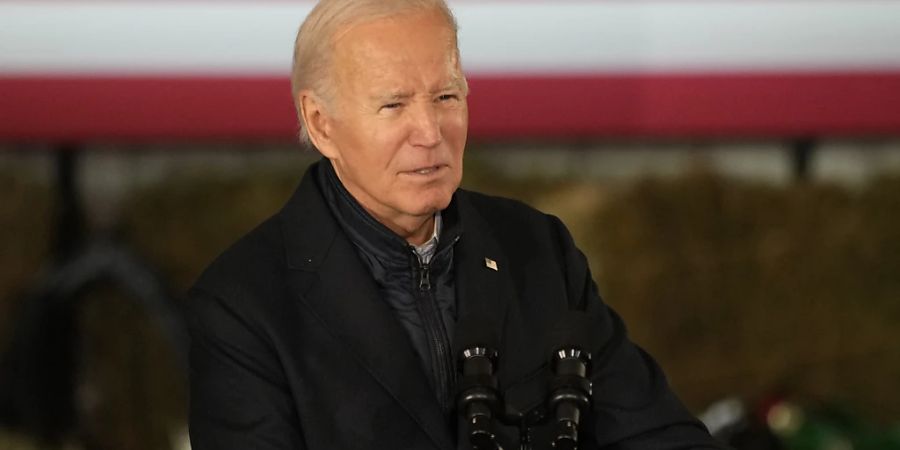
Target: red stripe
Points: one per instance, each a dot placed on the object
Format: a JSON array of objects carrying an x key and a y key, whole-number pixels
[
  {"x": 722, "y": 105},
  {"x": 758, "y": 105},
  {"x": 83, "y": 109}
]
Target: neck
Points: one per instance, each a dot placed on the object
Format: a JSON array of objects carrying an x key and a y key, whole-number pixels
[{"x": 416, "y": 230}]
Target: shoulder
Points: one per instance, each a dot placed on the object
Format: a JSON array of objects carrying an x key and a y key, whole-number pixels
[
  {"x": 249, "y": 268},
  {"x": 492, "y": 206},
  {"x": 255, "y": 264},
  {"x": 506, "y": 214},
  {"x": 515, "y": 222}
]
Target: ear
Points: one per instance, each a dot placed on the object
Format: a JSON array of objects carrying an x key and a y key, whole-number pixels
[{"x": 318, "y": 123}]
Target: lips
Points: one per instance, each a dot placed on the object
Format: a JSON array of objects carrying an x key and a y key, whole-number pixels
[{"x": 428, "y": 170}]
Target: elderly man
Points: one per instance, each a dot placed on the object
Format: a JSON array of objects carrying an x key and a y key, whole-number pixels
[{"x": 330, "y": 326}]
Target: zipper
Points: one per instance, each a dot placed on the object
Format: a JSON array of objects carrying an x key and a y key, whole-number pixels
[
  {"x": 435, "y": 332},
  {"x": 424, "y": 277}
]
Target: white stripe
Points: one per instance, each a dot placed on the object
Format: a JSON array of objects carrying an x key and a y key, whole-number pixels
[
  {"x": 499, "y": 36},
  {"x": 682, "y": 35},
  {"x": 147, "y": 37}
]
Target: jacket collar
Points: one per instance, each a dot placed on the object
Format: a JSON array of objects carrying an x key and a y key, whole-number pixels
[
  {"x": 356, "y": 222},
  {"x": 366, "y": 232},
  {"x": 330, "y": 279}
]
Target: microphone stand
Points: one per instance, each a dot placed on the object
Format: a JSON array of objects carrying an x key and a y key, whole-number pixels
[
  {"x": 570, "y": 394},
  {"x": 569, "y": 397},
  {"x": 481, "y": 405},
  {"x": 479, "y": 399}
]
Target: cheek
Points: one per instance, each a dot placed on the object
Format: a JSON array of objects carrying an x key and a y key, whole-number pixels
[
  {"x": 385, "y": 144},
  {"x": 457, "y": 121},
  {"x": 456, "y": 129}
]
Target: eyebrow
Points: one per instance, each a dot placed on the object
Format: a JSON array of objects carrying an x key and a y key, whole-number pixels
[
  {"x": 453, "y": 84},
  {"x": 393, "y": 96},
  {"x": 404, "y": 95}
]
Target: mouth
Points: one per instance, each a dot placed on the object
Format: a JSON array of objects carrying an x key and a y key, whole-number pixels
[{"x": 425, "y": 171}]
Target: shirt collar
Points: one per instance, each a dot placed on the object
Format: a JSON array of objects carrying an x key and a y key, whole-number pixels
[{"x": 426, "y": 250}]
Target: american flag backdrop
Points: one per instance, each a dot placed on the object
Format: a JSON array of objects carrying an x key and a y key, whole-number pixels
[{"x": 81, "y": 70}]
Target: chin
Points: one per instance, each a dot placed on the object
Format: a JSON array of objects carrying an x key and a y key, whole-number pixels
[
  {"x": 431, "y": 205},
  {"x": 428, "y": 208}
]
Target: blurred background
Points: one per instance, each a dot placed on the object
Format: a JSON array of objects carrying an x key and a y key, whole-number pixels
[{"x": 731, "y": 169}]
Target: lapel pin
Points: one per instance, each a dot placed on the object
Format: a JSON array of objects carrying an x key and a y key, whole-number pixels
[{"x": 491, "y": 264}]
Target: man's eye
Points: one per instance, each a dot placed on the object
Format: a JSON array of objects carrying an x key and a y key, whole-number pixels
[
  {"x": 391, "y": 105},
  {"x": 446, "y": 97}
]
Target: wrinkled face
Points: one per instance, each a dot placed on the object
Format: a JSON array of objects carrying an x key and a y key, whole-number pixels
[{"x": 398, "y": 118}]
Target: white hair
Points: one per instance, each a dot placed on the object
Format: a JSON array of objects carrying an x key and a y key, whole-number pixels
[{"x": 314, "y": 49}]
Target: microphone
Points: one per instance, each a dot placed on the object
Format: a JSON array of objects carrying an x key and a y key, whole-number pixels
[
  {"x": 478, "y": 400},
  {"x": 571, "y": 388}
]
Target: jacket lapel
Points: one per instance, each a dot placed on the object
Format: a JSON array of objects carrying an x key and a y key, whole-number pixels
[
  {"x": 332, "y": 281},
  {"x": 481, "y": 274},
  {"x": 485, "y": 289}
]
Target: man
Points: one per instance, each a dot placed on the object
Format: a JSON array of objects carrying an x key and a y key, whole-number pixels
[{"x": 330, "y": 326}]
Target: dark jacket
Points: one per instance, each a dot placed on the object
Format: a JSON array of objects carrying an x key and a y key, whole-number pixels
[
  {"x": 421, "y": 294},
  {"x": 292, "y": 348}
]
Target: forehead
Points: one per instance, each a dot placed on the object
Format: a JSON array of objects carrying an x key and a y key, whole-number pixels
[{"x": 417, "y": 46}]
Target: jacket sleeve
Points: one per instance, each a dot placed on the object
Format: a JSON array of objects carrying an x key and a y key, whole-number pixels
[
  {"x": 633, "y": 405},
  {"x": 238, "y": 392}
]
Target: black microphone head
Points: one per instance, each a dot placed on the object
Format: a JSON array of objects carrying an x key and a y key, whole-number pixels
[
  {"x": 476, "y": 336},
  {"x": 574, "y": 334},
  {"x": 574, "y": 339},
  {"x": 478, "y": 401}
]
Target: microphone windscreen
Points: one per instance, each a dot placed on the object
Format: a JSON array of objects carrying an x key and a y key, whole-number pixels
[{"x": 476, "y": 331}]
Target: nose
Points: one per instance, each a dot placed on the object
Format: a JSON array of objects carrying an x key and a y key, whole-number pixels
[{"x": 426, "y": 127}]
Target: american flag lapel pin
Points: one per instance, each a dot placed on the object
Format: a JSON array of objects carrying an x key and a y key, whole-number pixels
[{"x": 491, "y": 264}]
